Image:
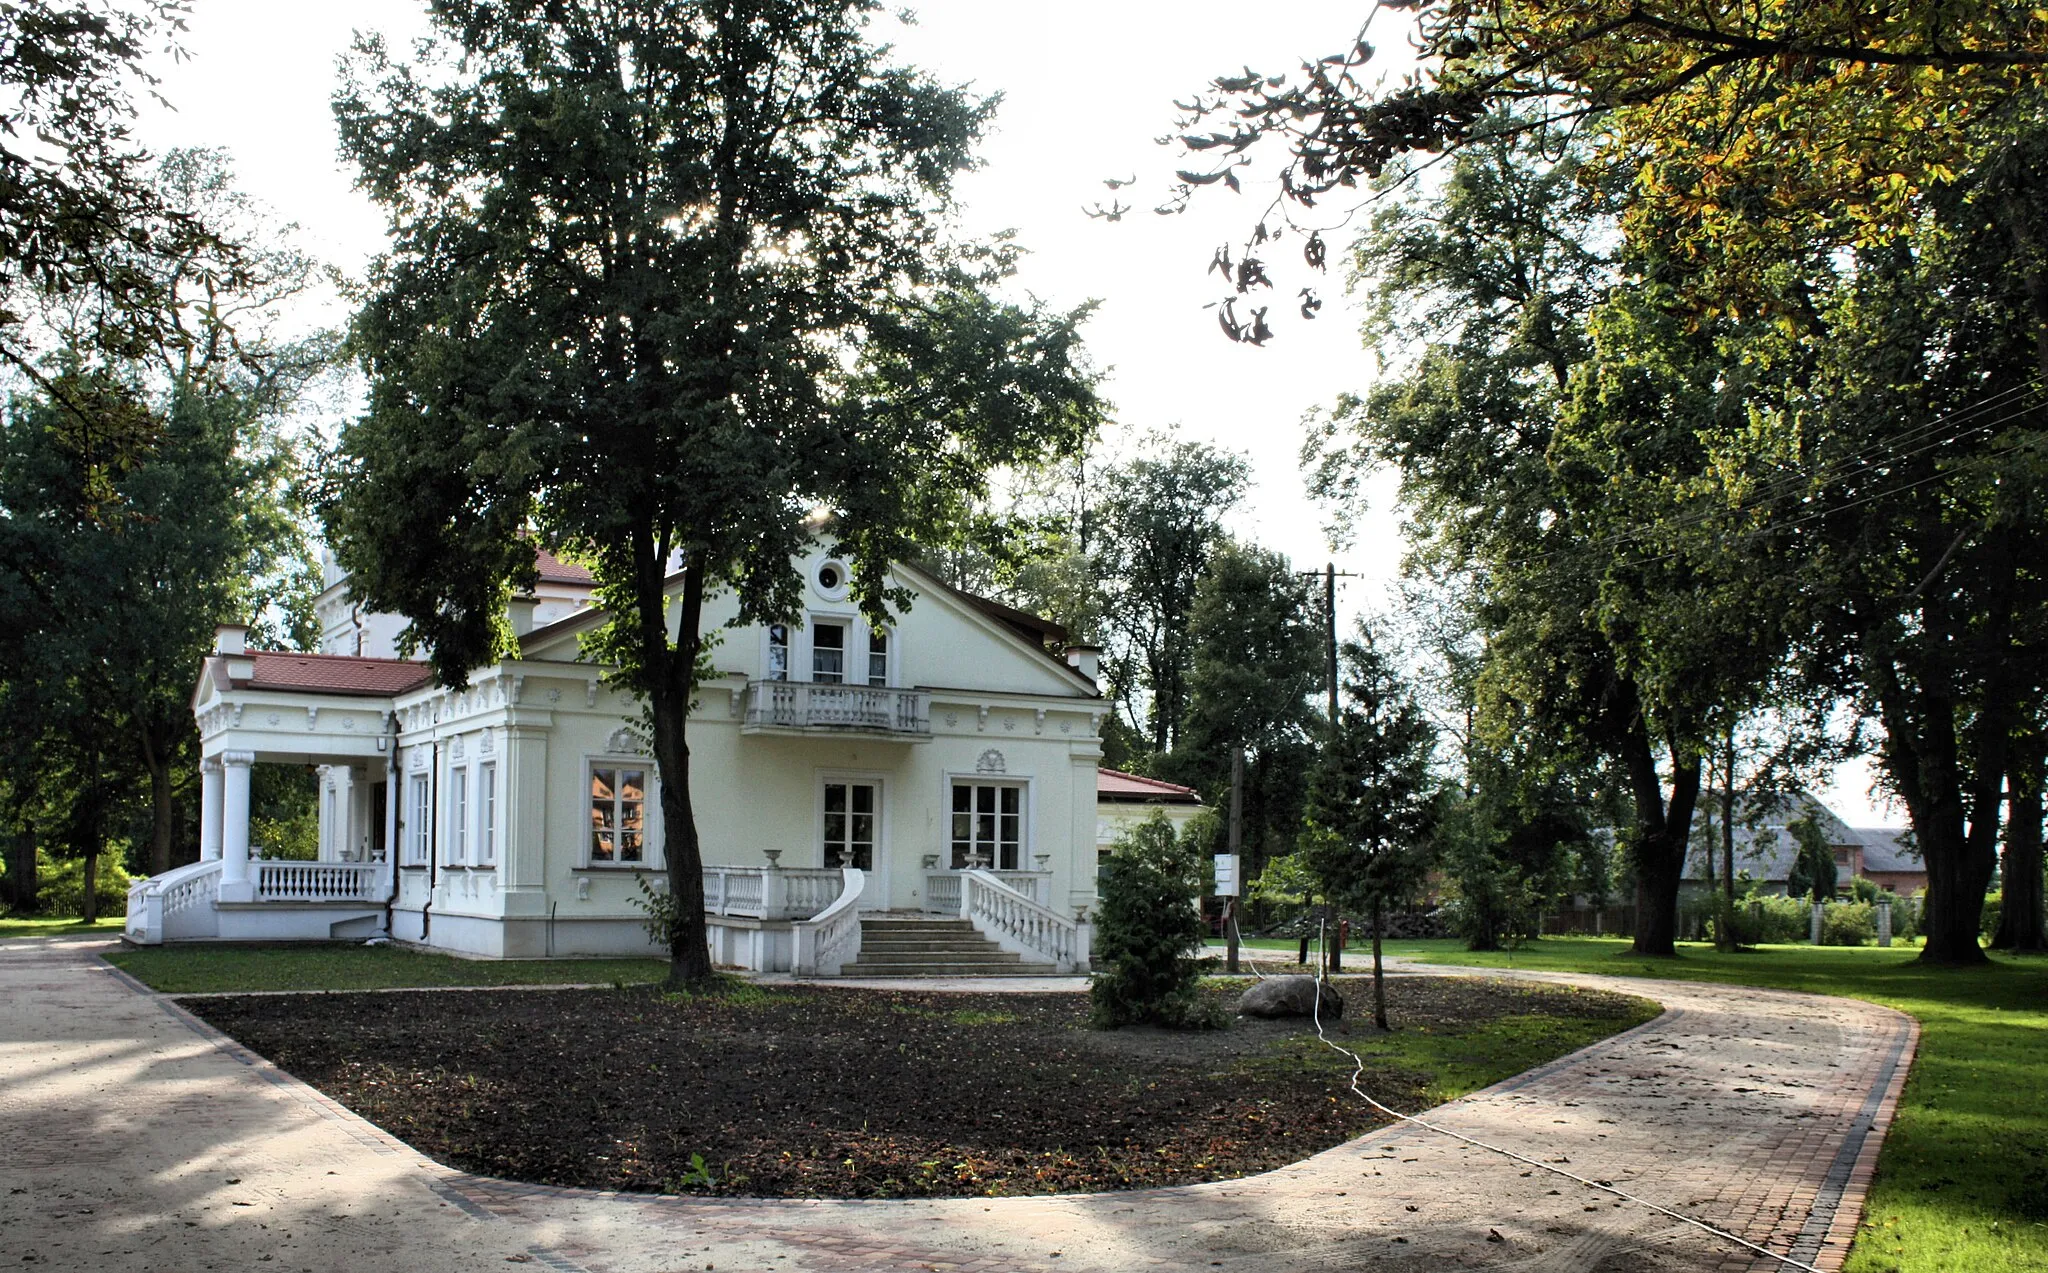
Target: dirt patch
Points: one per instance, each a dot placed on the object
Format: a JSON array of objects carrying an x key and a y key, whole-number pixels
[{"x": 823, "y": 1092}]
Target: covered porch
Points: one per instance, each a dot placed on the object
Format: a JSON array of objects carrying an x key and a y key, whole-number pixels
[{"x": 298, "y": 711}]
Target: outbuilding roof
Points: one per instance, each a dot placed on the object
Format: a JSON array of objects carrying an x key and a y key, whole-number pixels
[
  {"x": 554, "y": 570},
  {"x": 1117, "y": 786},
  {"x": 1890, "y": 849},
  {"x": 331, "y": 674}
]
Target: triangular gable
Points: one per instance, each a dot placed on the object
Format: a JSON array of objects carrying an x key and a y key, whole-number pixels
[{"x": 1030, "y": 660}]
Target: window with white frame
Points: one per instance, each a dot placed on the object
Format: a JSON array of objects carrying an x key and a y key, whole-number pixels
[
  {"x": 851, "y": 809},
  {"x": 828, "y": 651},
  {"x": 487, "y": 813},
  {"x": 458, "y": 816},
  {"x": 422, "y": 819},
  {"x": 618, "y": 815},
  {"x": 988, "y": 825},
  {"x": 878, "y": 656},
  {"x": 778, "y": 652}
]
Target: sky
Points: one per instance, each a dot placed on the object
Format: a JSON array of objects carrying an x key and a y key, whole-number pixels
[{"x": 1086, "y": 89}]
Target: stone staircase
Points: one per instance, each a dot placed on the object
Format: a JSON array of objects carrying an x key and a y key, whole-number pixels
[{"x": 902, "y": 946}]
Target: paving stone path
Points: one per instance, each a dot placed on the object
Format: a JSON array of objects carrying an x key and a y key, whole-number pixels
[{"x": 133, "y": 1137}]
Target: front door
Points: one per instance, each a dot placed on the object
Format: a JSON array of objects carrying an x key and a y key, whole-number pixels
[{"x": 852, "y": 820}]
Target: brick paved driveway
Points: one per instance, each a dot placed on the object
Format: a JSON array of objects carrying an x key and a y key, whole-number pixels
[{"x": 132, "y": 1137}]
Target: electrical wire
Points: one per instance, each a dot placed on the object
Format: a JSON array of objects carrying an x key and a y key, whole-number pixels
[{"x": 1358, "y": 1069}]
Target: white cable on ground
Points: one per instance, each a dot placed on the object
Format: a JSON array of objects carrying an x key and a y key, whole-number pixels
[{"x": 1358, "y": 1068}]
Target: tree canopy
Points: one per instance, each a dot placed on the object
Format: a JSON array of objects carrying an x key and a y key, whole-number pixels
[{"x": 667, "y": 282}]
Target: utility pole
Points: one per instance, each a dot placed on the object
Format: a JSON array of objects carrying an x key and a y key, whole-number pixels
[
  {"x": 1330, "y": 574},
  {"x": 1236, "y": 855}
]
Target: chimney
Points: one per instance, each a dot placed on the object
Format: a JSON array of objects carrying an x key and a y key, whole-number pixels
[
  {"x": 231, "y": 639},
  {"x": 1086, "y": 659},
  {"x": 521, "y": 611}
]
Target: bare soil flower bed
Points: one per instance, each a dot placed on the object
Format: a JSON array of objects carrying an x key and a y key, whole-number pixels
[{"x": 821, "y": 1092}]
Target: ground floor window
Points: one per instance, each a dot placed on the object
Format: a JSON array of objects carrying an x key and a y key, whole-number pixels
[
  {"x": 487, "y": 813},
  {"x": 850, "y": 813},
  {"x": 618, "y": 815},
  {"x": 458, "y": 848},
  {"x": 422, "y": 819},
  {"x": 988, "y": 825}
]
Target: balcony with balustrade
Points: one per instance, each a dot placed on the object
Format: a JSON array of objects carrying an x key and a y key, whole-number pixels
[{"x": 817, "y": 708}]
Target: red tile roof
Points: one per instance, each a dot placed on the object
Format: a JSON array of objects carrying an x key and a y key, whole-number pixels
[
  {"x": 1112, "y": 784},
  {"x": 554, "y": 570},
  {"x": 333, "y": 674}
]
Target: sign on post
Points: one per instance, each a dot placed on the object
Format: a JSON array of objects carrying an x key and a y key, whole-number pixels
[{"x": 1226, "y": 874}]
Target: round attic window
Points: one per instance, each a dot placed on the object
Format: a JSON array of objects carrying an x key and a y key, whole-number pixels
[{"x": 831, "y": 579}]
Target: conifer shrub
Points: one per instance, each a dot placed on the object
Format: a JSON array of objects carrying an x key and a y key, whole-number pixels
[{"x": 1148, "y": 932}]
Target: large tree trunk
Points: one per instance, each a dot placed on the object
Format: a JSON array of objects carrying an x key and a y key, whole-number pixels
[
  {"x": 1662, "y": 834},
  {"x": 2022, "y": 925},
  {"x": 22, "y": 888},
  {"x": 1379, "y": 980},
  {"x": 674, "y": 671},
  {"x": 156, "y": 757},
  {"x": 90, "y": 907},
  {"x": 1922, "y": 756}
]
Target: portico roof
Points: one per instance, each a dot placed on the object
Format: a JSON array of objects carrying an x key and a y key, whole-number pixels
[{"x": 1118, "y": 787}]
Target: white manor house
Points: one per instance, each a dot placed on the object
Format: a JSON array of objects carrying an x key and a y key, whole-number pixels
[{"x": 916, "y": 797}]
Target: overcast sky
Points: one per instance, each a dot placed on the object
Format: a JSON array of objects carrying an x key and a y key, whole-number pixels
[{"x": 1086, "y": 87}]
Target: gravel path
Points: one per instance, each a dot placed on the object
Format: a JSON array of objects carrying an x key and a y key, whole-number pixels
[{"x": 137, "y": 1138}]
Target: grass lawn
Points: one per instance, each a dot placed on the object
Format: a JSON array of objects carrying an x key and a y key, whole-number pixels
[
  {"x": 57, "y": 926},
  {"x": 1962, "y": 1183},
  {"x": 207, "y": 969}
]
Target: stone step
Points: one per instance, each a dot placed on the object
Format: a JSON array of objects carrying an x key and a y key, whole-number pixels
[
  {"x": 863, "y": 969},
  {"x": 903, "y": 946},
  {"x": 886, "y": 955}
]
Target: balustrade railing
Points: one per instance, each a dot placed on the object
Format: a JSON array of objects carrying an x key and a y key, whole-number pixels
[
  {"x": 830, "y": 940},
  {"x": 819, "y": 705},
  {"x": 942, "y": 888},
  {"x": 1019, "y": 923},
  {"x": 766, "y": 892},
  {"x": 315, "y": 881},
  {"x": 177, "y": 903}
]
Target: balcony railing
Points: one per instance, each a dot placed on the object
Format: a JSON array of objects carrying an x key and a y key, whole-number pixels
[
  {"x": 808, "y": 706},
  {"x": 764, "y": 892}
]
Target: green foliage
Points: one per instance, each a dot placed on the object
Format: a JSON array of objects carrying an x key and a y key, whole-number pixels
[
  {"x": 1160, "y": 520},
  {"x": 1372, "y": 802},
  {"x": 1286, "y": 884},
  {"x": 1148, "y": 932},
  {"x": 1258, "y": 663},
  {"x": 667, "y": 282},
  {"x": 63, "y": 884},
  {"x": 1773, "y": 918},
  {"x": 1813, "y": 870},
  {"x": 1847, "y": 924}
]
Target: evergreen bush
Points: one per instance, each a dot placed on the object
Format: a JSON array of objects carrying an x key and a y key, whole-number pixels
[
  {"x": 1848, "y": 924},
  {"x": 1149, "y": 932}
]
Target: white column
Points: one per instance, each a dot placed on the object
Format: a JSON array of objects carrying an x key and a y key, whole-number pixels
[
  {"x": 209, "y": 809},
  {"x": 234, "y": 868}
]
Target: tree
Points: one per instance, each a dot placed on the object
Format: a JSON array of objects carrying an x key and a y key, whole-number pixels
[
  {"x": 81, "y": 219},
  {"x": 1257, "y": 667},
  {"x": 2022, "y": 926},
  {"x": 666, "y": 279},
  {"x": 1757, "y": 133},
  {"x": 1550, "y": 436},
  {"x": 1148, "y": 930},
  {"x": 1160, "y": 520},
  {"x": 1813, "y": 866},
  {"x": 1372, "y": 799}
]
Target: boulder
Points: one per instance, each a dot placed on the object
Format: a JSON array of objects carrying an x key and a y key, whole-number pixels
[{"x": 1290, "y": 997}]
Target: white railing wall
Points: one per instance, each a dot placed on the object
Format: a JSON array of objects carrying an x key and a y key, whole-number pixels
[
  {"x": 815, "y": 705},
  {"x": 768, "y": 892},
  {"x": 831, "y": 939},
  {"x": 316, "y": 881},
  {"x": 942, "y": 888},
  {"x": 1020, "y": 924},
  {"x": 175, "y": 904}
]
